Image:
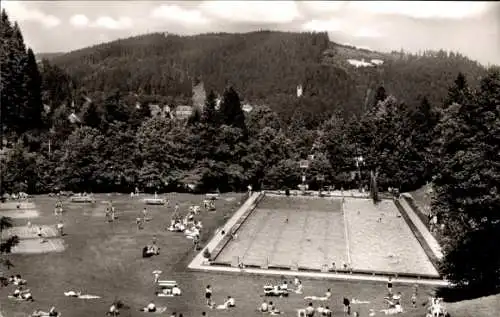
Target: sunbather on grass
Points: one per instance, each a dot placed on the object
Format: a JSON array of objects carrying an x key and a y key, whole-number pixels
[
  {"x": 176, "y": 291},
  {"x": 327, "y": 296},
  {"x": 150, "y": 308}
]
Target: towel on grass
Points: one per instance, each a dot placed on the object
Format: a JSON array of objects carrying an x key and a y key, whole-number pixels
[
  {"x": 159, "y": 310},
  {"x": 80, "y": 296},
  {"x": 357, "y": 301}
]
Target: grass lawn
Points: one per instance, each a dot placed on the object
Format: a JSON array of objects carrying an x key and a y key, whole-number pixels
[
  {"x": 105, "y": 259},
  {"x": 481, "y": 307}
]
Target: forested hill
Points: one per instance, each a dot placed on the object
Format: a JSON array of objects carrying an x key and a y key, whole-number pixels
[
  {"x": 48, "y": 56},
  {"x": 265, "y": 67}
]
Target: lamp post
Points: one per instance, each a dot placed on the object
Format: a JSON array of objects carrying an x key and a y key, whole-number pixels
[
  {"x": 2, "y": 161},
  {"x": 359, "y": 162},
  {"x": 304, "y": 165}
]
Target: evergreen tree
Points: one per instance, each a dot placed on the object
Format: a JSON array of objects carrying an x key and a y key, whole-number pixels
[
  {"x": 209, "y": 114},
  {"x": 18, "y": 89},
  {"x": 230, "y": 109},
  {"x": 34, "y": 107},
  {"x": 459, "y": 92},
  {"x": 380, "y": 96},
  {"x": 195, "y": 116}
]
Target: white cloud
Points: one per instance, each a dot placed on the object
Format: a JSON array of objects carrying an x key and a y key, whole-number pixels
[
  {"x": 323, "y": 7},
  {"x": 108, "y": 22},
  {"x": 79, "y": 20},
  {"x": 323, "y": 25},
  {"x": 20, "y": 12},
  {"x": 423, "y": 9},
  {"x": 178, "y": 14},
  {"x": 367, "y": 32},
  {"x": 262, "y": 12}
]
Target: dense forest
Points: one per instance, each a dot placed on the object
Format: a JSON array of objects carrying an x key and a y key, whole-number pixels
[
  {"x": 81, "y": 122},
  {"x": 265, "y": 68}
]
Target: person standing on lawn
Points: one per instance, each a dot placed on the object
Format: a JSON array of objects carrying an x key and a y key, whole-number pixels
[
  {"x": 60, "y": 228},
  {"x": 208, "y": 295}
]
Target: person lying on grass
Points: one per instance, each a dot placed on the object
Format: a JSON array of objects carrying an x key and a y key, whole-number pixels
[
  {"x": 80, "y": 295},
  {"x": 51, "y": 313},
  {"x": 176, "y": 291},
  {"x": 276, "y": 290},
  {"x": 327, "y": 296},
  {"x": 327, "y": 312},
  {"x": 192, "y": 232},
  {"x": 358, "y": 301},
  {"x": 150, "y": 250},
  {"x": 229, "y": 303},
  {"x": 395, "y": 300},
  {"x": 21, "y": 294},
  {"x": 17, "y": 280},
  {"x": 150, "y": 308},
  {"x": 176, "y": 226}
]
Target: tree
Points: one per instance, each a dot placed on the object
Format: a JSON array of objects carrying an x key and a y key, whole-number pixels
[
  {"x": 34, "y": 106},
  {"x": 284, "y": 174},
  {"x": 230, "y": 109},
  {"x": 459, "y": 92},
  {"x": 195, "y": 116},
  {"x": 5, "y": 223},
  {"x": 466, "y": 188},
  {"x": 7, "y": 245},
  {"x": 209, "y": 114},
  {"x": 380, "y": 96},
  {"x": 92, "y": 115},
  {"x": 81, "y": 166}
]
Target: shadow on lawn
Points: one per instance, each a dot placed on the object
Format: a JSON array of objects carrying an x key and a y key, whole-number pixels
[{"x": 457, "y": 294}]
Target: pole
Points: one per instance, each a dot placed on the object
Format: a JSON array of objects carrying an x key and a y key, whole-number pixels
[{"x": 359, "y": 175}]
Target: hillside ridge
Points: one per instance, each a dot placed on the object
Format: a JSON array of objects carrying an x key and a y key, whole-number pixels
[{"x": 266, "y": 67}]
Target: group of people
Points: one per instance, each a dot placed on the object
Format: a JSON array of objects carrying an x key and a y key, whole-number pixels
[
  {"x": 436, "y": 308},
  {"x": 20, "y": 293},
  {"x": 230, "y": 302},
  {"x": 188, "y": 225}
]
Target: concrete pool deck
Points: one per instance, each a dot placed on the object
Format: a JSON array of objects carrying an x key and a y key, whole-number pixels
[
  {"x": 428, "y": 237},
  {"x": 199, "y": 263}
]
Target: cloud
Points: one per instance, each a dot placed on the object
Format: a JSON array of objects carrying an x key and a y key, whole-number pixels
[
  {"x": 108, "y": 22},
  {"x": 423, "y": 9},
  {"x": 323, "y": 7},
  {"x": 19, "y": 12},
  {"x": 323, "y": 25},
  {"x": 367, "y": 32},
  {"x": 255, "y": 12},
  {"x": 178, "y": 14},
  {"x": 79, "y": 20}
]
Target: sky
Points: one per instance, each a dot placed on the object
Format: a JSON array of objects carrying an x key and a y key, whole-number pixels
[{"x": 471, "y": 28}]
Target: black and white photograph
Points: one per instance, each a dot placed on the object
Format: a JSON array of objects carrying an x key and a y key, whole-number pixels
[{"x": 249, "y": 158}]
